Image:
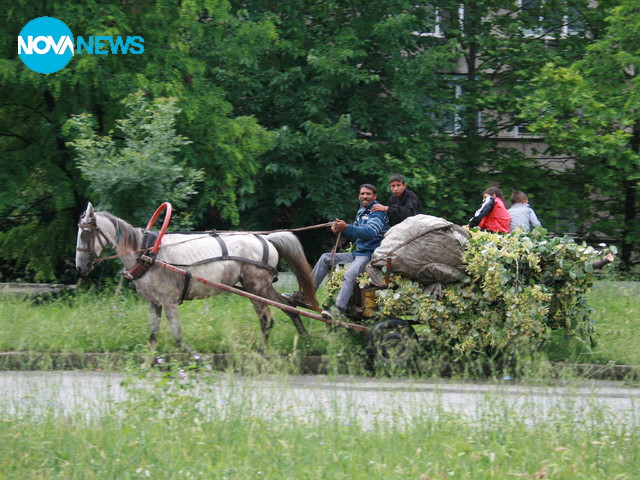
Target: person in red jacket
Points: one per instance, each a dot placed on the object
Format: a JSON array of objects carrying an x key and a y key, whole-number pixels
[{"x": 492, "y": 214}]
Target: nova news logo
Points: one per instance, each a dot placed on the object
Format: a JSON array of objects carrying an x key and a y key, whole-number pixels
[{"x": 46, "y": 45}]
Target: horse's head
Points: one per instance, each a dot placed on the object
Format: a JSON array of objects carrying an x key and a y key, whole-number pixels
[{"x": 91, "y": 241}]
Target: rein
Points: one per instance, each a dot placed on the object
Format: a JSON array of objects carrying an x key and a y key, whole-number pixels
[
  {"x": 266, "y": 232},
  {"x": 142, "y": 266},
  {"x": 212, "y": 233}
]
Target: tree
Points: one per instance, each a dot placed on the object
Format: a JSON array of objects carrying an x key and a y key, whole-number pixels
[
  {"x": 43, "y": 191},
  {"x": 289, "y": 106},
  {"x": 501, "y": 46},
  {"x": 343, "y": 88},
  {"x": 590, "y": 111},
  {"x": 132, "y": 176},
  {"x": 426, "y": 89}
]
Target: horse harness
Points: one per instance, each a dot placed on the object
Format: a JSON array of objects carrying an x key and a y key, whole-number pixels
[
  {"x": 141, "y": 267},
  {"x": 148, "y": 241},
  {"x": 96, "y": 234},
  {"x": 149, "y": 238}
]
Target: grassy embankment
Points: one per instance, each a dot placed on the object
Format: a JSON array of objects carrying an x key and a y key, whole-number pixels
[{"x": 161, "y": 433}]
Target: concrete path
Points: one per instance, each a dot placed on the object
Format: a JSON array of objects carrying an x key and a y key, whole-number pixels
[{"x": 359, "y": 401}]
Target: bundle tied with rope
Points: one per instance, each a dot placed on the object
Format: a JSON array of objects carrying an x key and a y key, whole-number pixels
[{"x": 427, "y": 249}]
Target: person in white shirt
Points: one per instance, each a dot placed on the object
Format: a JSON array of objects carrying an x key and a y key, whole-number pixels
[{"x": 522, "y": 215}]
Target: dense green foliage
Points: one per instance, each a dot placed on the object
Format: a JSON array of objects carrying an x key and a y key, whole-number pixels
[
  {"x": 288, "y": 106},
  {"x": 363, "y": 89},
  {"x": 590, "y": 110},
  {"x": 135, "y": 177},
  {"x": 43, "y": 190},
  {"x": 517, "y": 287}
]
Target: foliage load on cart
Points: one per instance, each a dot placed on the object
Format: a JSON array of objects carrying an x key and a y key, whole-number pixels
[{"x": 515, "y": 287}]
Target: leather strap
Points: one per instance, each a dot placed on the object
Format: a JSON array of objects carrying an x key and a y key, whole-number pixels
[
  {"x": 264, "y": 263},
  {"x": 185, "y": 287}
]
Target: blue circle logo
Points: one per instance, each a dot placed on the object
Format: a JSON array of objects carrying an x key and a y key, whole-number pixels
[{"x": 45, "y": 44}]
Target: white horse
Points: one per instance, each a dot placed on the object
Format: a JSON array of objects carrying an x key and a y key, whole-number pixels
[{"x": 230, "y": 259}]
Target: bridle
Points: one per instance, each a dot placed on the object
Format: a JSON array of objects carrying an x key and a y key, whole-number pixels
[{"x": 96, "y": 234}]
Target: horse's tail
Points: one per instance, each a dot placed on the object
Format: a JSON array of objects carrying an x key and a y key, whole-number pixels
[{"x": 290, "y": 248}]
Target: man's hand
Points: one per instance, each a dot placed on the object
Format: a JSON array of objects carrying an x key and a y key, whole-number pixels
[
  {"x": 339, "y": 226},
  {"x": 379, "y": 208}
]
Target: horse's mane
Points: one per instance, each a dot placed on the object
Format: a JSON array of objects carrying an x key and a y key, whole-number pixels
[{"x": 129, "y": 235}]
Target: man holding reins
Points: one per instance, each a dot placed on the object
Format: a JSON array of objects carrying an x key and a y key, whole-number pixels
[{"x": 368, "y": 229}]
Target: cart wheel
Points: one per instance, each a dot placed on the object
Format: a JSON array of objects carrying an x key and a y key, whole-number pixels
[{"x": 393, "y": 343}]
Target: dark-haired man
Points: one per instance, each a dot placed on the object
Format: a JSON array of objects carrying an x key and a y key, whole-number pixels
[
  {"x": 368, "y": 229},
  {"x": 402, "y": 203}
]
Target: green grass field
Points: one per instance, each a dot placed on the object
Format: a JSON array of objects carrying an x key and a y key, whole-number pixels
[
  {"x": 100, "y": 322},
  {"x": 617, "y": 316}
]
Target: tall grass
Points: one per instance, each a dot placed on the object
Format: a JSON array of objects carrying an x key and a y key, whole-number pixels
[
  {"x": 616, "y": 315},
  {"x": 175, "y": 431},
  {"x": 172, "y": 429},
  {"x": 100, "y": 321},
  {"x": 93, "y": 321}
]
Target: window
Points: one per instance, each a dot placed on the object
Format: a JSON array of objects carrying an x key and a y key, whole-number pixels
[
  {"x": 448, "y": 113},
  {"x": 441, "y": 21},
  {"x": 522, "y": 130},
  {"x": 550, "y": 19}
]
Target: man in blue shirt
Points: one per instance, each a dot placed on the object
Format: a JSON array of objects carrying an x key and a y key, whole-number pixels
[{"x": 368, "y": 229}]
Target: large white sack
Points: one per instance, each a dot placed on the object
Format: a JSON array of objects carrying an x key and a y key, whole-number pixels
[{"x": 424, "y": 248}]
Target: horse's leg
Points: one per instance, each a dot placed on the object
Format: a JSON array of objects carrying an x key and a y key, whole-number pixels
[
  {"x": 295, "y": 318},
  {"x": 261, "y": 284},
  {"x": 155, "y": 312},
  {"x": 271, "y": 293},
  {"x": 266, "y": 321},
  {"x": 171, "y": 311},
  {"x": 274, "y": 295}
]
